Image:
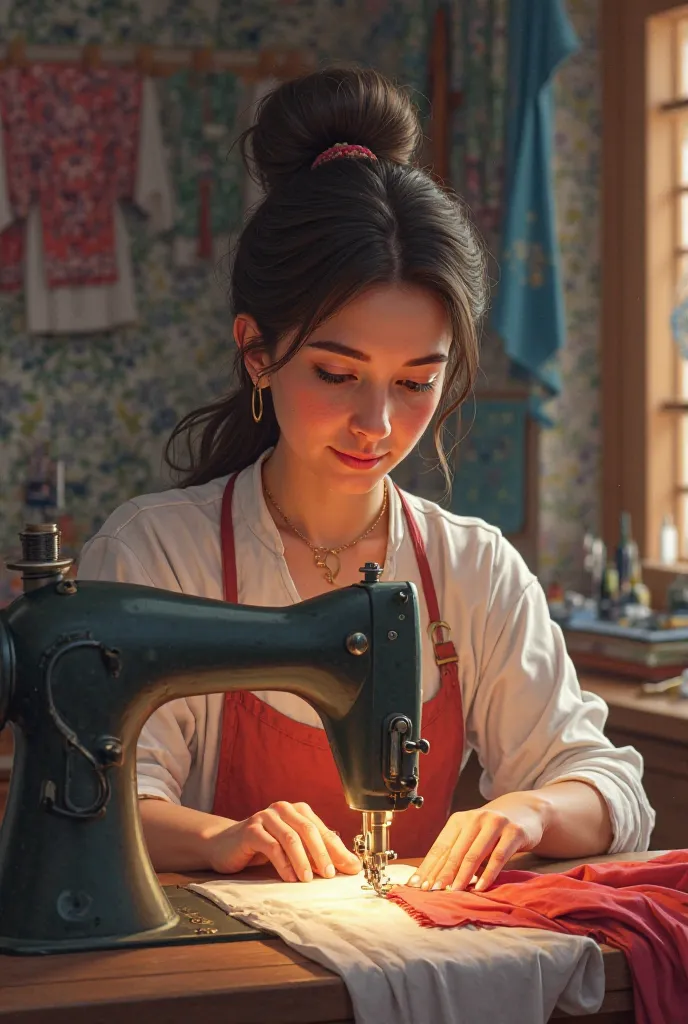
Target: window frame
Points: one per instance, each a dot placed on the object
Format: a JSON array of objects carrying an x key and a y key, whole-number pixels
[{"x": 639, "y": 361}]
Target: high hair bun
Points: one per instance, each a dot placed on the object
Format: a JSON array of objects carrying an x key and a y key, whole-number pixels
[{"x": 301, "y": 118}]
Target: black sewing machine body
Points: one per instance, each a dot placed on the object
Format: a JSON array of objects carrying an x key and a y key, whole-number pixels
[{"x": 84, "y": 664}]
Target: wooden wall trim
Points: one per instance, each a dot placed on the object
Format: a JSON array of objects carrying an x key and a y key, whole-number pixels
[
  {"x": 624, "y": 464},
  {"x": 612, "y": 45}
]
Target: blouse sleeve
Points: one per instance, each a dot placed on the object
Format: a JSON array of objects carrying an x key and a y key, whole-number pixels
[
  {"x": 531, "y": 724},
  {"x": 164, "y": 749}
]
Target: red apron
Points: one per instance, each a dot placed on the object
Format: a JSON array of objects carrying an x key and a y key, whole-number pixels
[{"x": 266, "y": 756}]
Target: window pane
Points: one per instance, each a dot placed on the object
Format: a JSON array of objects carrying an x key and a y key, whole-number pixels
[
  {"x": 682, "y": 391},
  {"x": 682, "y": 37},
  {"x": 680, "y": 342},
  {"x": 683, "y": 134},
  {"x": 684, "y": 451},
  {"x": 683, "y": 228}
]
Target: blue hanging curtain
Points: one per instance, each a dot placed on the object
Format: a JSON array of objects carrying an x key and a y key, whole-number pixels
[{"x": 528, "y": 311}]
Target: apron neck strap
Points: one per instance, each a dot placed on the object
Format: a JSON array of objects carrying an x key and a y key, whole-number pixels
[{"x": 229, "y": 570}]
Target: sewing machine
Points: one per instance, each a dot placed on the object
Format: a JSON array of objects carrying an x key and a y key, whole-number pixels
[{"x": 84, "y": 664}]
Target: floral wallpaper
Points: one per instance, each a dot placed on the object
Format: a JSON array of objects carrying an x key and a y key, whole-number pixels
[
  {"x": 107, "y": 403},
  {"x": 570, "y": 452}
]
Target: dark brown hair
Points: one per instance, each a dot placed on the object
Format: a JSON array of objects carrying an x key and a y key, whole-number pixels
[{"x": 321, "y": 237}]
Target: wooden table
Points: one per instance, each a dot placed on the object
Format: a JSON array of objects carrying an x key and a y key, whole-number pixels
[{"x": 251, "y": 982}]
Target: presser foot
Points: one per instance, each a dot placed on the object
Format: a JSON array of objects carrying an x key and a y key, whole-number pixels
[
  {"x": 377, "y": 879},
  {"x": 374, "y": 865}
]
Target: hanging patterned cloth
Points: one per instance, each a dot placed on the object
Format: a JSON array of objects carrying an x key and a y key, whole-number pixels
[
  {"x": 72, "y": 138},
  {"x": 479, "y": 76},
  {"x": 77, "y": 144},
  {"x": 202, "y": 111}
]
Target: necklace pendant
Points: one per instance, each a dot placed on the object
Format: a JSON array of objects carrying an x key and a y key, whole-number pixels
[
  {"x": 322, "y": 560},
  {"x": 319, "y": 560}
]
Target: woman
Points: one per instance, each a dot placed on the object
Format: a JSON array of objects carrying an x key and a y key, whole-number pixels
[{"x": 357, "y": 287}]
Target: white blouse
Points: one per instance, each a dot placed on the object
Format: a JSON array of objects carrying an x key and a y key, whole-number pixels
[{"x": 525, "y": 714}]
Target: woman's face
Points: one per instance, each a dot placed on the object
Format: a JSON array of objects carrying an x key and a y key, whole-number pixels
[{"x": 366, "y": 383}]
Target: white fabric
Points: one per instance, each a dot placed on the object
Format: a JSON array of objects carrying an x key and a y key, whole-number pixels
[
  {"x": 75, "y": 310},
  {"x": 525, "y": 714},
  {"x": 397, "y": 970},
  {"x": 88, "y": 308}
]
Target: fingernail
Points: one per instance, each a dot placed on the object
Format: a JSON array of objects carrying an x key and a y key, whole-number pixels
[
  {"x": 425, "y": 885},
  {"x": 329, "y": 871},
  {"x": 308, "y": 875},
  {"x": 414, "y": 880},
  {"x": 479, "y": 886},
  {"x": 437, "y": 885}
]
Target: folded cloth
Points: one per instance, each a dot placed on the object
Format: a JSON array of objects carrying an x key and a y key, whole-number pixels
[
  {"x": 396, "y": 970},
  {"x": 640, "y": 908}
]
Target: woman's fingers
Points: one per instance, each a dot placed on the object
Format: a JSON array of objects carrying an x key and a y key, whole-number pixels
[
  {"x": 460, "y": 872},
  {"x": 511, "y": 841},
  {"x": 260, "y": 841},
  {"x": 309, "y": 844},
  {"x": 257, "y": 860},
  {"x": 339, "y": 857},
  {"x": 466, "y": 855},
  {"x": 426, "y": 874},
  {"x": 290, "y": 841},
  {"x": 308, "y": 826},
  {"x": 468, "y": 841}
]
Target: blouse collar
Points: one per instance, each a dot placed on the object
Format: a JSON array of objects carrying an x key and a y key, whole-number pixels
[{"x": 251, "y": 500}]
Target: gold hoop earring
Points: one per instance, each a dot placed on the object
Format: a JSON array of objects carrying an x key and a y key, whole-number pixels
[{"x": 257, "y": 416}]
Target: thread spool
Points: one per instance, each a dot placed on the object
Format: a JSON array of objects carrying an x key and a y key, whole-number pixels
[{"x": 40, "y": 542}]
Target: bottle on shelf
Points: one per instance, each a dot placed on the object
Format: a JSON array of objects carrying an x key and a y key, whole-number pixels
[
  {"x": 609, "y": 591},
  {"x": 668, "y": 541},
  {"x": 624, "y": 553},
  {"x": 639, "y": 592}
]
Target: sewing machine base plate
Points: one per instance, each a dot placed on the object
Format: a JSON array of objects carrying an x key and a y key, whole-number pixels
[{"x": 200, "y": 920}]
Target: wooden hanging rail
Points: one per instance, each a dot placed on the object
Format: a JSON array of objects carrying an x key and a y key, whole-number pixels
[
  {"x": 161, "y": 61},
  {"x": 443, "y": 100}
]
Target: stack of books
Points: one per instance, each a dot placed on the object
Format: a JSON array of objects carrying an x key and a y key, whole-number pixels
[{"x": 641, "y": 653}]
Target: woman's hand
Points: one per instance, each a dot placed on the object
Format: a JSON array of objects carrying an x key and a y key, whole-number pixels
[
  {"x": 289, "y": 836},
  {"x": 487, "y": 837}
]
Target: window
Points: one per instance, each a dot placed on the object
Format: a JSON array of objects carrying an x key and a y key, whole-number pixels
[
  {"x": 675, "y": 108},
  {"x": 678, "y": 107},
  {"x": 644, "y": 385}
]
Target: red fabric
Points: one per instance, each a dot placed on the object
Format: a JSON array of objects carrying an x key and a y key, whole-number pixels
[
  {"x": 266, "y": 756},
  {"x": 638, "y": 907},
  {"x": 71, "y": 138}
]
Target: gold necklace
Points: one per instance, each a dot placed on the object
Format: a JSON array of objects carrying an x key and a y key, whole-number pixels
[{"x": 321, "y": 554}]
